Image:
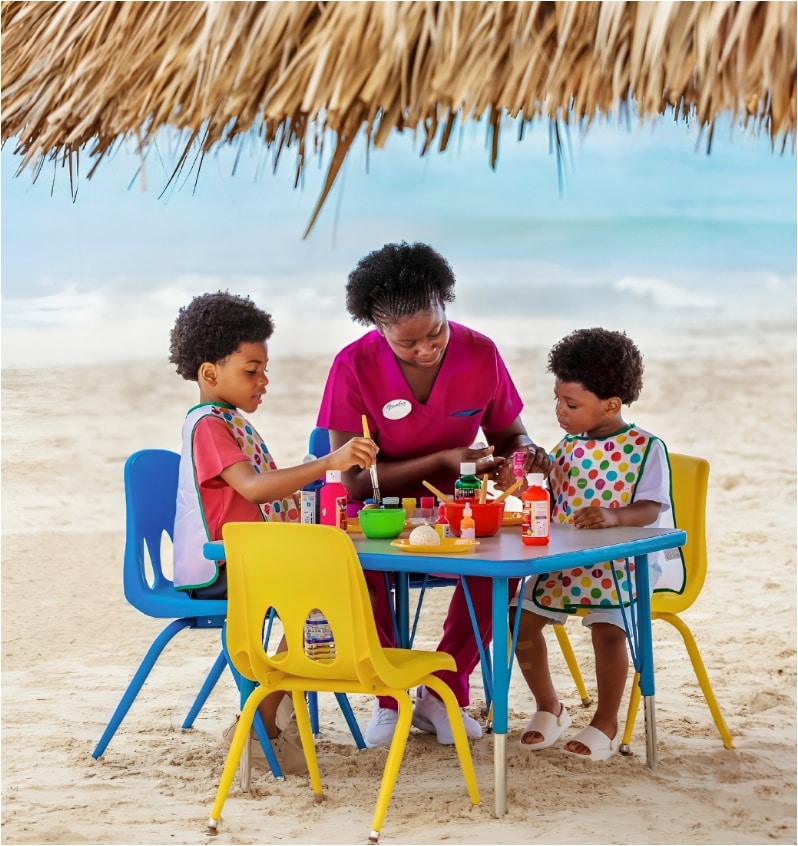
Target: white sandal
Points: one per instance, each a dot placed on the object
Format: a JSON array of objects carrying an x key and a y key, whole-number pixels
[
  {"x": 546, "y": 725},
  {"x": 601, "y": 747}
]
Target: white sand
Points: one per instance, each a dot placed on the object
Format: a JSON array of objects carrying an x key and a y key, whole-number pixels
[{"x": 71, "y": 642}]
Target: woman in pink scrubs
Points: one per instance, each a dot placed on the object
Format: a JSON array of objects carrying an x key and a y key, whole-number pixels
[{"x": 427, "y": 386}]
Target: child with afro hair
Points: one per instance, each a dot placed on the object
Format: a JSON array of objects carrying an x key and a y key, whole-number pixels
[
  {"x": 226, "y": 471},
  {"x": 604, "y": 472}
]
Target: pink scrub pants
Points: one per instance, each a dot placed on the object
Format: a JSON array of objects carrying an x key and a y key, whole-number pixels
[{"x": 458, "y": 635}]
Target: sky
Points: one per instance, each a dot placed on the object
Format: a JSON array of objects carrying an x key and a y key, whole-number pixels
[{"x": 645, "y": 225}]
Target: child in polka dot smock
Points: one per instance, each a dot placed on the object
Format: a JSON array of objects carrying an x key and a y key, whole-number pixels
[{"x": 604, "y": 472}]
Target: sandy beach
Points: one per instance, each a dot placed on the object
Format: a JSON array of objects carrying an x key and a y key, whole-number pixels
[{"x": 71, "y": 642}]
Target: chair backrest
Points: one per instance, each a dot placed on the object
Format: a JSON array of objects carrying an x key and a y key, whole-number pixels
[
  {"x": 319, "y": 442},
  {"x": 293, "y": 569},
  {"x": 150, "y": 501},
  {"x": 689, "y": 483}
]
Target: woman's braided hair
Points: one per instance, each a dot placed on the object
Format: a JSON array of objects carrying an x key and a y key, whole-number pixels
[{"x": 398, "y": 281}]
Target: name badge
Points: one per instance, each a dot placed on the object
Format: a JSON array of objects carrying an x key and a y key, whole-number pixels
[{"x": 396, "y": 409}]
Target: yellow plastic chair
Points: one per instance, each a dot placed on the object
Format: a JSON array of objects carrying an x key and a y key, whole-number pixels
[
  {"x": 689, "y": 479},
  {"x": 292, "y": 569}
]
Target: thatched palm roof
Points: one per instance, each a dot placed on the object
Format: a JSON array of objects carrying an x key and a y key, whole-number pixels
[{"x": 79, "y": 76}]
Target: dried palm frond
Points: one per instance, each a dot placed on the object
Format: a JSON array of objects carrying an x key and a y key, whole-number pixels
[{"x": 80, "y": 76}]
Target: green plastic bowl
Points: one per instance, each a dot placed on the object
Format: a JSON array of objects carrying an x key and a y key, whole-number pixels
[{"x": 382, "y": 522}]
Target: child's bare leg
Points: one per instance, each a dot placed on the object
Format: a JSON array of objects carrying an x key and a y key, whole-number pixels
[
  {"x": 533, "y": 659},
  {"x": 612, "y": 668},
  {"x": 268, "y": 707}
]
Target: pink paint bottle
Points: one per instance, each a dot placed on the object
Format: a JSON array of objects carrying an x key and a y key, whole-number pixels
[{"x": 332, "y": 501}]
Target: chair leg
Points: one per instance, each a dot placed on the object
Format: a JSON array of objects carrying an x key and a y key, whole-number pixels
[
  {"x": 631, "y": 716},
  {"x": 240, "y": 742},
  {"x": 701, "y": 675},
  {"x": 136, "y": 683},
  {"x": 313, "y": 711},
  {"x": 245, "y": 688},
  {"x": 354, "y": 728},
  {"x": 346, "y": 710},
  {"x": 205, "y": 691},
  {"x": 308, "y": 745},
  {"x": 392, "y": 763},
  {"x": 460, "y": 738},
  {"x": 573, "y": 664}
]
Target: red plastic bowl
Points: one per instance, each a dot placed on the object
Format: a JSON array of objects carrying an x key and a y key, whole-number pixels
[{"x": 487, "y": 517}]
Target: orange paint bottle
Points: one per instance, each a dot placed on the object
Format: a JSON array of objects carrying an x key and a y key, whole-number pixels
[{"x": 536, "y": 514}]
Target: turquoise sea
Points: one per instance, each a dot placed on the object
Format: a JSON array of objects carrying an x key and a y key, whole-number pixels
[{"x": 644, "y": 231}]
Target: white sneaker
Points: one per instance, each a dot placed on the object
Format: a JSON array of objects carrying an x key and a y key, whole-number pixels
[
  {"x": 381, "y": 727},
  {"x": 430, "y": 715}
]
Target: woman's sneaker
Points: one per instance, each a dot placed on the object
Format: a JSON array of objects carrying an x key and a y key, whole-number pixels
[
  {"x": 381, "y": 727},
  {"x": 430, "y": 715}
]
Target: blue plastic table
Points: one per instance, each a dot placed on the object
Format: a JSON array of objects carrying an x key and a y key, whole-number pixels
[{"x": 504, "y": 557}]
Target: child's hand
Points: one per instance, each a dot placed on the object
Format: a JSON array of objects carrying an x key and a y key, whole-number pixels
[
  {"x": 357, "y": 451},
  {"x": 594, "y": 517}
]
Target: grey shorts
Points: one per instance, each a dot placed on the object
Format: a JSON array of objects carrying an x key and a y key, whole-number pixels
[
  {"x": 558, "y": 618},
  {"x": 613, "y": 616}
]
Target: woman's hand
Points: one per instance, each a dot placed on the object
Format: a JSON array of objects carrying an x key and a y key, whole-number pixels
[
  {"x": 482, "y": 457},
  {"x": 361, "y": 452},
  {"x": 537, "y": 461}
]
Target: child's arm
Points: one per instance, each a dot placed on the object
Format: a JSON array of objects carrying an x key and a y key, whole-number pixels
[
  {"x": 641, "y": 513},
  {"x": 276, "y": 484}
]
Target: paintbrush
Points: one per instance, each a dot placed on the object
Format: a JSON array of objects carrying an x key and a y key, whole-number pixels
[
  {"x": 483, "y": 489},
  {"x": 375, "y": 484},
  {"x": 441, "y": 496},
  {"x": 515, "y": 485}
]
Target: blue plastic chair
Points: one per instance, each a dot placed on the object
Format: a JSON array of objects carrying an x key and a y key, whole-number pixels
[{"x": 150, "y": 496}]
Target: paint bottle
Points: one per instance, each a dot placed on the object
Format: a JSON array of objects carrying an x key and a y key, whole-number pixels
[
  {"x": 536, "y": 513},
  {"x": 442, "y": 526},
  {"x": 519, "y": 459},
  {"x": 468, "y": 529},
  {"x": 468, "y": 485},
  {"x": 319, "y": 643},
  {"x": 427, "y": 507},
  {"x": 332, "y": 501},
  {"x": 409, "y": 505}
]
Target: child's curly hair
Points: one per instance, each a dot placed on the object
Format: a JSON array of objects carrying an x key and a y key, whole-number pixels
[
  {"x": 397, "y": 281},
  {"x": 213, "y": 326},
  {"x": 604, "y": 362}
]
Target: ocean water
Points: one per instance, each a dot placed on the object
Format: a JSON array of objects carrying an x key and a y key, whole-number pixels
[{"x": 631, "y": 227}]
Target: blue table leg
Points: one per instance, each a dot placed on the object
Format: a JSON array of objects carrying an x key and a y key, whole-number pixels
[
  {"x": 646, "y": 668},
  {"x": 402, "y": 593},
  {"x": 500, "y": 685}
]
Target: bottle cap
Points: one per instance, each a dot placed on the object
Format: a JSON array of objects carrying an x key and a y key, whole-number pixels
[
  {"x": 468, "y": 468},
  {"x": 390, "y": 502},
  {"x": 333, "y": 476},
  {"x": 467, "y": 509},
  {"x": 535, "y": 480}
]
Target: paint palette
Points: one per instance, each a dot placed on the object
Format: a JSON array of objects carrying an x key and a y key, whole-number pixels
[{"x": 446, "y": 547}]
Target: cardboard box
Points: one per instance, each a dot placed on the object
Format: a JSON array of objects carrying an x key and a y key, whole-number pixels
[{"x": 310, "y": 507}]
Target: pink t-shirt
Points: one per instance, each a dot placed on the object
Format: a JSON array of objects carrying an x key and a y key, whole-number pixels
[{"x": 472, "y": 390}]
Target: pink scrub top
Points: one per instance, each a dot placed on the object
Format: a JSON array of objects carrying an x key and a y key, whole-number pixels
[{"x": 472, "y": 390}]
